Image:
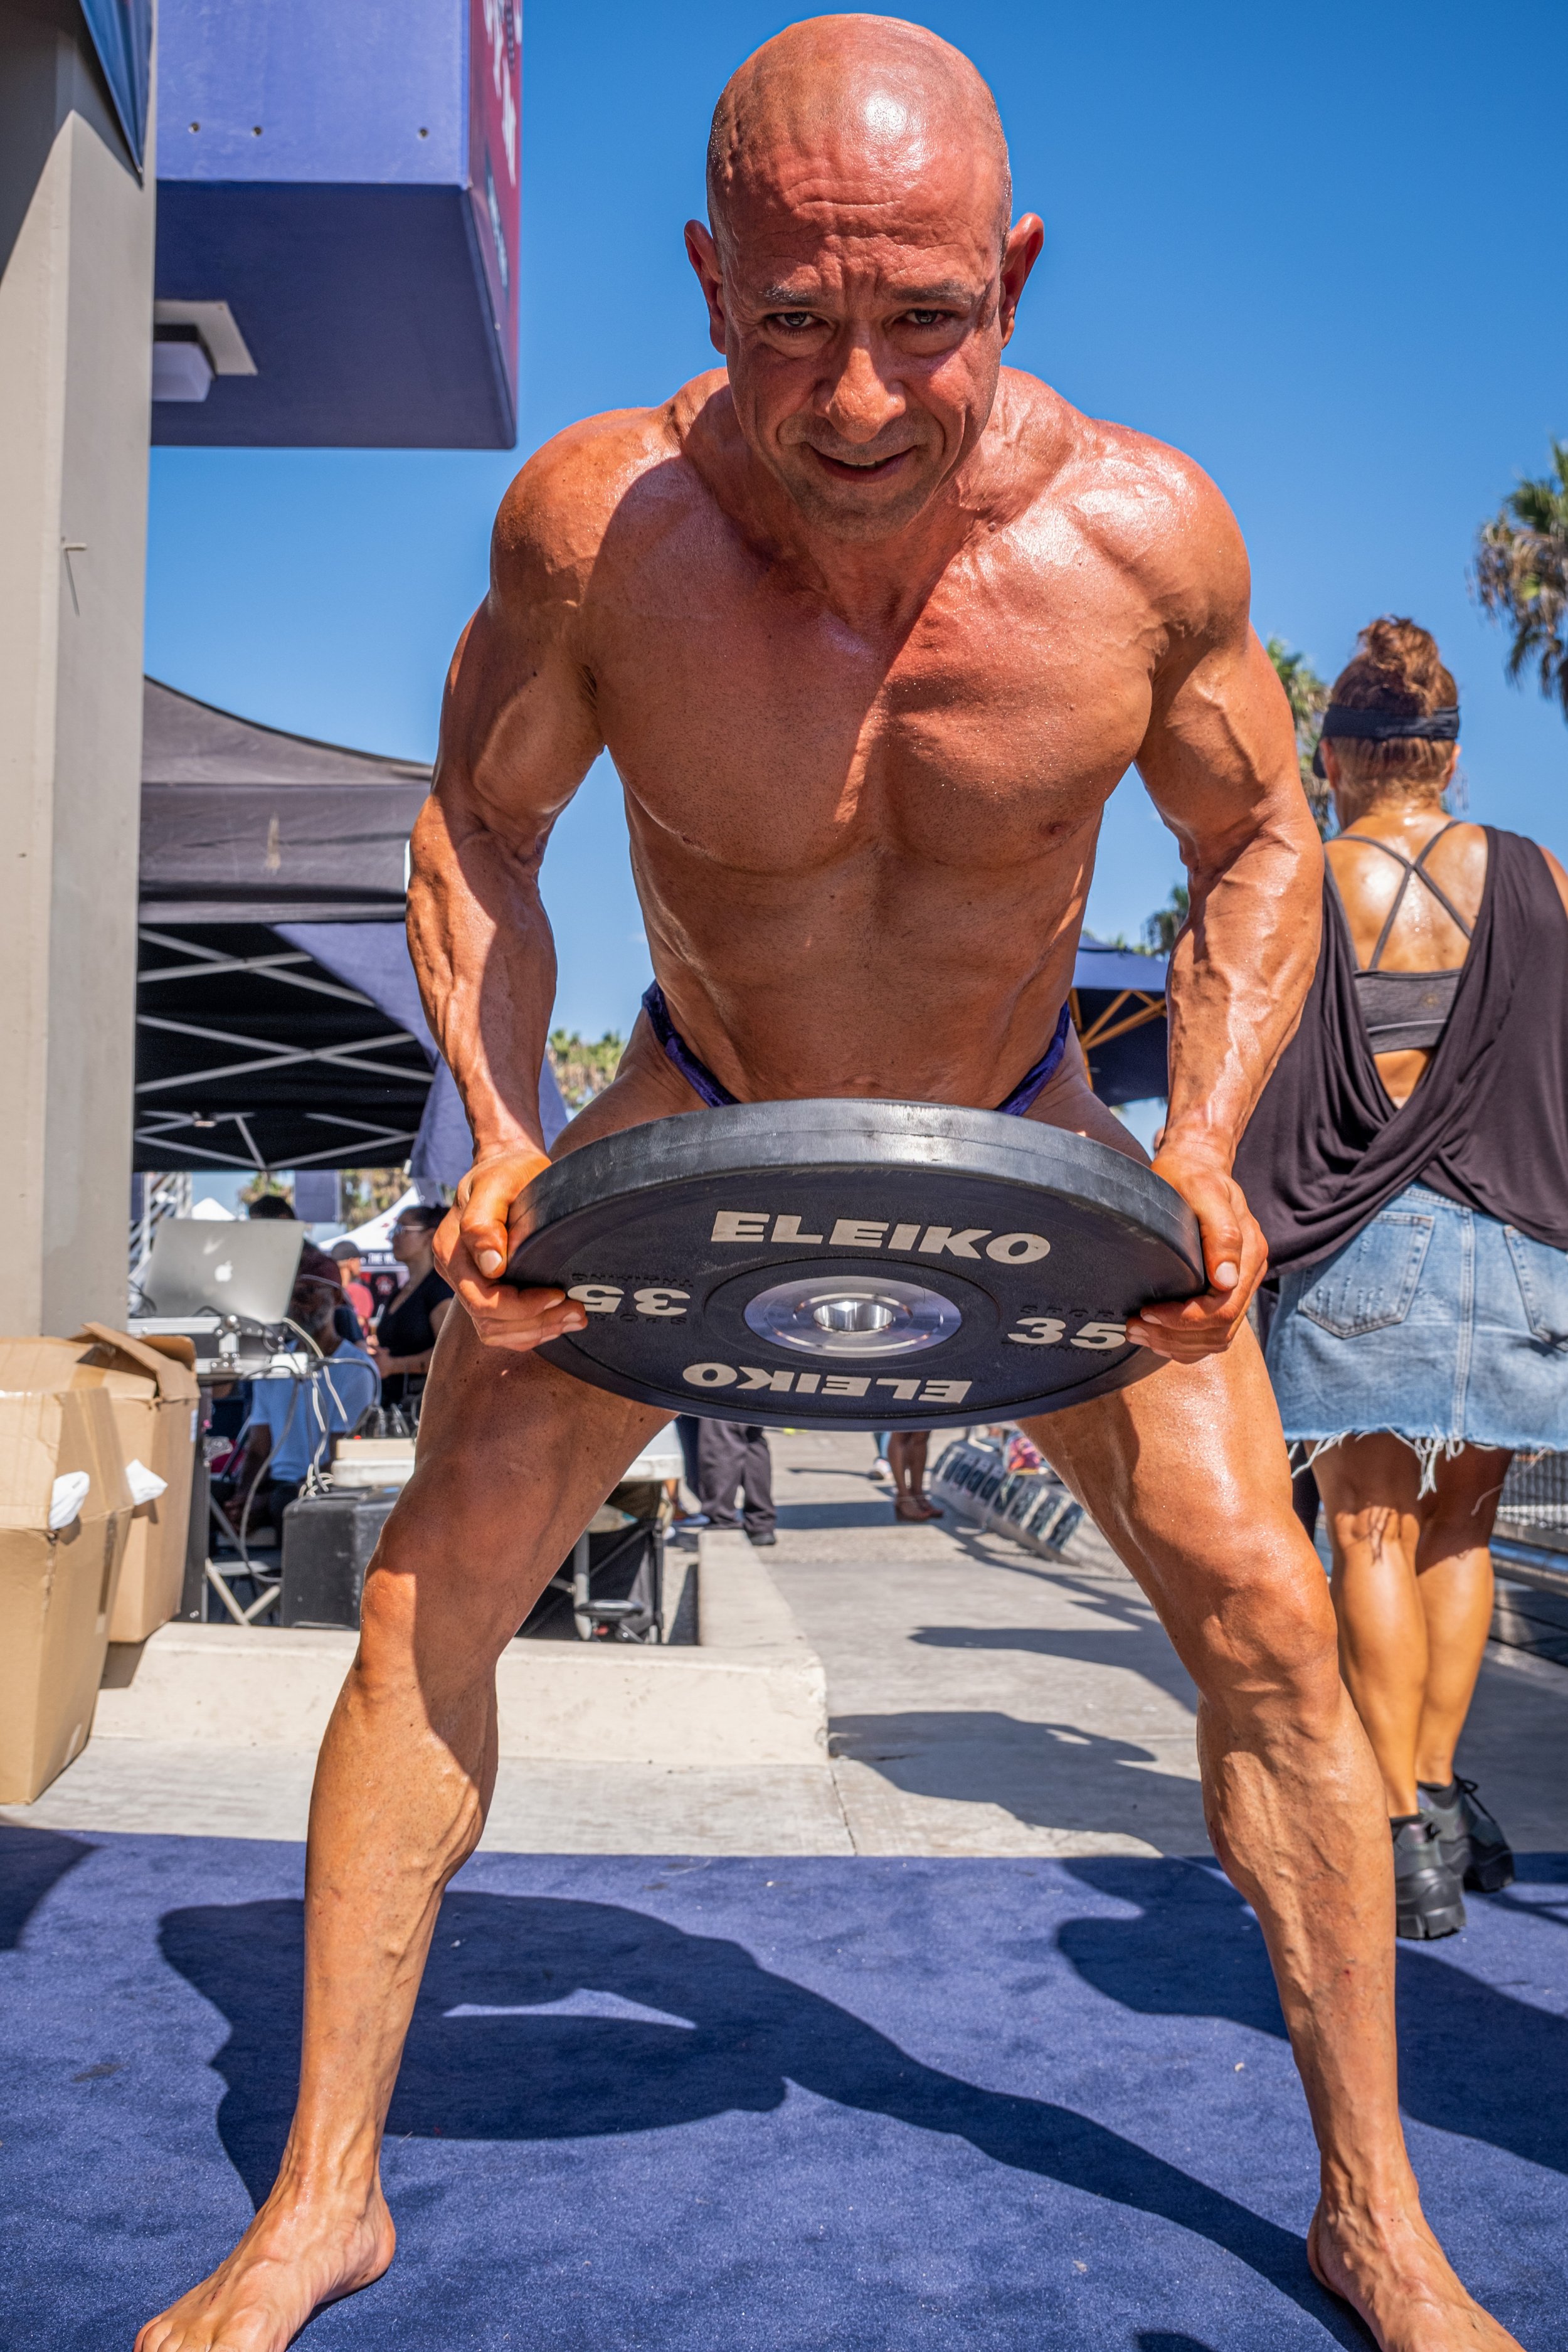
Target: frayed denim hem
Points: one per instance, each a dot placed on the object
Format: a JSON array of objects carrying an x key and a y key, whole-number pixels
[{"x": 1428, "y": 1450}]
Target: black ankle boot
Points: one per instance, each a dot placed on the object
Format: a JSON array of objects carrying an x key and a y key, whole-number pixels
[
  {"x": 1474, "y": 1847},
  {"x": 1427, "y": 1898}
]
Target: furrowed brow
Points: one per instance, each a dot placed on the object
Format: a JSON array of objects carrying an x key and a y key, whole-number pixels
[{"x": 916, "y": 297}]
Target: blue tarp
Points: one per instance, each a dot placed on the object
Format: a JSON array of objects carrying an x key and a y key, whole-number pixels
[
  {"x": 1101, "y": 965},
  {"x": 1130, "y": 1064}
]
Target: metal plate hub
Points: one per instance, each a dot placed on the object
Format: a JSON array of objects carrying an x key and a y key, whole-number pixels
[{"x": 871, "y": 1264}]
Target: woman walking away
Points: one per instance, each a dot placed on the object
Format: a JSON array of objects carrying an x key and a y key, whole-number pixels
[{"x": 1408, "y": 1163}]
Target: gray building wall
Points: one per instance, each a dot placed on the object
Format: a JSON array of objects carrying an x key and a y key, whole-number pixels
[{"x": 76, "y": 308}]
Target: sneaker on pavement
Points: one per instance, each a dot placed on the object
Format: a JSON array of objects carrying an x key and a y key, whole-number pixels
[
  {"x": 1428, "y": 1900},
  {"x": 767, "y": 1537},
  {"x": 1474, "y": 1846}
]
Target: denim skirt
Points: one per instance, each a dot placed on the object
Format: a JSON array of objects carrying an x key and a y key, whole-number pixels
[{"x": 1435, "y": 1322}]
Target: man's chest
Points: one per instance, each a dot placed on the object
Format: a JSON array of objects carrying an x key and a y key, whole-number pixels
[{"x": 757, "y": 727}]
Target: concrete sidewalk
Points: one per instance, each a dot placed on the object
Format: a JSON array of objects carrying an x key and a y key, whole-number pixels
[{"x": 983, "y": 1702}]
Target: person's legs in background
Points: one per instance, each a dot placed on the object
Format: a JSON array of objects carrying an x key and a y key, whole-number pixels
[
  {"x": 687, "y": 1426},
  {"x": 730, "y": 1454},
  {"x": 759, "y": 1518},
  {"x": 1413, "y": 1594},
  {"x": 721, "y": 1448},
  {"x": 907, "y": 1460},
  {"x": 881, "y": 1470}
]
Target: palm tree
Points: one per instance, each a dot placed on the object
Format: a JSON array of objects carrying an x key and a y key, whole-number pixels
[
  {"x": 1160, "y": 930},
  {"x": 1308, "y": 695},
  {"x": 584, "y": 1068},
  {"x": 1521, "y": 575}
]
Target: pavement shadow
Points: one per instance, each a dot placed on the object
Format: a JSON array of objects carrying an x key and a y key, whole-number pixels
[
  {"x": 870, "y": 1511},
  {"x": 1052, "y": 1776},
  {"x": 1472, "y": 2058},
  {"x": 496, "y": 2054},
  {"x": 1138, "y": 1645},
  {"x": 32, "y": 1863}
]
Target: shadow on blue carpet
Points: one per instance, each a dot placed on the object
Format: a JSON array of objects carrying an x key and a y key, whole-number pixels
[{"x": 897, "y": 2105}]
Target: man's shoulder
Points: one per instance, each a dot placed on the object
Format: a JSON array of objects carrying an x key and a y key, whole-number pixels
[
  {"x": 562, "y": 503},
  {"x": 1148, "y": 508}
]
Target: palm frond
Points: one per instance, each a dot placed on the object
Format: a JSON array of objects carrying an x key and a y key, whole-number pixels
[{"x": 1520, "y": 576}]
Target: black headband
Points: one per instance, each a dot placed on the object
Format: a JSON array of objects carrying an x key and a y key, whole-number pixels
[{"x": 1386, "y": 727}]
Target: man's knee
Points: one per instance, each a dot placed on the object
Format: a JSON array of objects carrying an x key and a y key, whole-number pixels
[
  {"x": 1265, "y": 1634},
  {"x": 450, "y": 1582}
]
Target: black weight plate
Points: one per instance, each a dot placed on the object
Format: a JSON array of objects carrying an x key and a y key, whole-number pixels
[{"x": 879, "y": 1265}]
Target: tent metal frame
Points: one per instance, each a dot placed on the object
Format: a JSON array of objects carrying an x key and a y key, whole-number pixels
[
  {"x": 1103, "y": 1025},
  {"x": 361, "y": 1141}
]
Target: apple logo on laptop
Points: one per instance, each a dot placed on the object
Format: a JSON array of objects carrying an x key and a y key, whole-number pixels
[{"x": 224, "y": 1273}]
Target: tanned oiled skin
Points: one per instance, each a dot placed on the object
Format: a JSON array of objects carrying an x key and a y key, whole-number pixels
[
  {"x": 873, "y": 790},
  {"x": 871, "y": 629}
]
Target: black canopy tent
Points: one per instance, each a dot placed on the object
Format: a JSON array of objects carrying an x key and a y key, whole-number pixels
[
  {"x": 277, "y": 1021},
  {"x": 1118, "y": 1004}
]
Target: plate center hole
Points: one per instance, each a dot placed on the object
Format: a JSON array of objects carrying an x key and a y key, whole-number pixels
[{"x": 852, "y": 1315}]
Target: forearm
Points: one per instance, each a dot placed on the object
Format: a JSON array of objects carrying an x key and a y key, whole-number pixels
[
  {"x": 485, "y": 961},
  {"x": 1240, "y": 976}
]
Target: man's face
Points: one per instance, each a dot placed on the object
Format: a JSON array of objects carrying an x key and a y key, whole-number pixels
[
  {"x": 863, "y": 320},
  {"x": 313, "y": 1307}
]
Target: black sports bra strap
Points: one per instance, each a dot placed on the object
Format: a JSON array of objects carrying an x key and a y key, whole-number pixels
[{"x": 1416, "y": 867}]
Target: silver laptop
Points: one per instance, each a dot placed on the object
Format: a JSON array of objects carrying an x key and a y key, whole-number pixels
[{"x": 233, "y": 1269}]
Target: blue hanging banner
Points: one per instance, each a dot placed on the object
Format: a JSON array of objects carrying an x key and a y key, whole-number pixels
[{"x": 122, "y": 34}]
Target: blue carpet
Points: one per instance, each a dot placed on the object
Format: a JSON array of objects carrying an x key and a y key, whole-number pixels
[{"x": 766, "y": 2106}]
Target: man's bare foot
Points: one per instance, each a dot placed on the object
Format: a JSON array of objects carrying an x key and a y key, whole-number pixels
[
  {"x": 294, "y": 2258},
  {"x": 1395, "y": 2276}
]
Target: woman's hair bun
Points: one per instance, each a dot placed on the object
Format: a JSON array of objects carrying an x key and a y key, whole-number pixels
[{"x": 1397, "y": 668}]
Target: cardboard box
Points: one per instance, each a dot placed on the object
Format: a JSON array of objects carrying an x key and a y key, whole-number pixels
[
  {"x": 151, "y": 1385},
  {"x": 157, "y": 1413},
  {"x": 57, "y": 1589}
]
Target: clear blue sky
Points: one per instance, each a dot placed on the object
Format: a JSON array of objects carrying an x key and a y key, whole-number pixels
[{"x": 1317, "y": 247}]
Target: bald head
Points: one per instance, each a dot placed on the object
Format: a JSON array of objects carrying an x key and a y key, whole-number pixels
[
  {"x": 859, "y": 109},
  {"x": 860, "y": 274}
]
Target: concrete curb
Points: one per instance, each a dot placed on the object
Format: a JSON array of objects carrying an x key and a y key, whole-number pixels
[{"x": 750, "y": 1693}]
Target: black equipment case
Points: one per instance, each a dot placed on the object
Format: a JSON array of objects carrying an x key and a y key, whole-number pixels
[{"x": 327, "y": 1543}]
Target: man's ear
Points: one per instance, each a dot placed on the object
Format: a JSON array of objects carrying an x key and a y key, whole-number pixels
[
  {"x": 1025, "y": 239},
  {"x": 703, "y": 256}
]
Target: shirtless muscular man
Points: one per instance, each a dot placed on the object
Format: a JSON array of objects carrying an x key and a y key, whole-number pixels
[{"x": 871, "y": 627}]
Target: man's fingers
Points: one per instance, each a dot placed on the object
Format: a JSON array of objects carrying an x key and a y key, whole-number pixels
[
  {"x": 483, "y": 1219},
  {"x": 518, "y": 1318}
]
